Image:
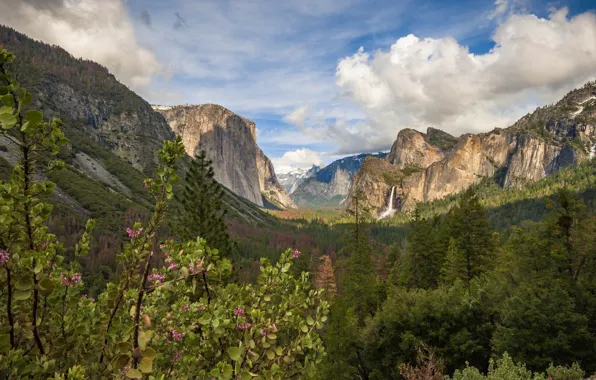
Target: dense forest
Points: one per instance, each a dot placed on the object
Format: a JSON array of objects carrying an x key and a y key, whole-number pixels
[{"x": 490, "y": 283}]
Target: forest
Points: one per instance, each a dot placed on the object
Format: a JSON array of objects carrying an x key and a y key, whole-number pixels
[{"x": 487, "y": 284}]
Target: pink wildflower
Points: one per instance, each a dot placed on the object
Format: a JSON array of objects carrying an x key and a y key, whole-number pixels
[
  {"x": 201, "y": 308},
  {"x": 239, "y": 311},
  {"x": 243, "y": 326},
  {"x": 196, "y": 267},
  {"x": 4, "y": 256},
  {"x": 162, "y": 246},
  {"x": 44, "y": 245},
  {"x": 173, "y": 266},
  {"x": 154, "y": 277},
  {"x": 296, "y": 254},
  {"x": 264, "y": 332},
  {"x": 177, "y": 336},
  {"x": 185, "y": 307},
  {"x": 71, "y": 280},
  {"x": 133, "y": 233}
]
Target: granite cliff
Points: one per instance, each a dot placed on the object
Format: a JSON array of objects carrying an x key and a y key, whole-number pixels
[
  {"x": 270, "y": 187},
  {"x": 230, "y": 141},
  {"x": 433, "y": 165}
]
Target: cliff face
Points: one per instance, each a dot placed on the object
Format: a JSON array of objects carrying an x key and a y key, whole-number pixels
[
  {"x": 270, "y": 187},
  {"x": 134, "y": 134},
  {"x": 413, "y": 149},
  {"x": 330, "y": 186},
  {"x": 228, "y": 139},
  {"x": 534, "y": 147}
]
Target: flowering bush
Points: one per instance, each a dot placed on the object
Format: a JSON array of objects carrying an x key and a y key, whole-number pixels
[{"x": 180, "y": 321}]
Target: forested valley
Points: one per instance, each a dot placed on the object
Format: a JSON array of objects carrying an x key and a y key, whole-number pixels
[{"x": 171, "y": 283}]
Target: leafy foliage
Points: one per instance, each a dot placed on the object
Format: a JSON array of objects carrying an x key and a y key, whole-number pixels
[{"x": 181, "y": 320}]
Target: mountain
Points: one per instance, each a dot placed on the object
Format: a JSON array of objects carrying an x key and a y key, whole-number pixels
[
  {"x": 271, "y": 190},
  {"x": 425, "y": 167},
  {"x": 329, "y": 186},
  {"x": 88, "y": 99},
  {"x": 230, "y": 142},
  {"x": 114, "y": 136},
  {"x": 290, "y": 180}
]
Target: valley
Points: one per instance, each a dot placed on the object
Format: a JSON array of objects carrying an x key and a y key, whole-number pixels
[{"x": 157, "y": 241}]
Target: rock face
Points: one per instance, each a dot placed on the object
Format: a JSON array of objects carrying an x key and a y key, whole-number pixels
[
  {"x": 534, "y": 147},
  {"x": 230, "y": 141},
  {"x": 135, "y": 134},
  {"x": 414, "y": 149},
  {"x": 88, "y": 99},
  {"x": 270, "y": 187},
  {"x": 330, "y": 186}
]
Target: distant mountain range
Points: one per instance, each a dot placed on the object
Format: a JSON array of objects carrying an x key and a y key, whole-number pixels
[{"x": 324, "y": 187}]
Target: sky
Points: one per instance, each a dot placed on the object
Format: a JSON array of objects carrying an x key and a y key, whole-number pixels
[{"x": 324, "y": 79}]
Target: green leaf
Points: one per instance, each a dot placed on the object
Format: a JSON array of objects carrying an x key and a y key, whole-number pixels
[
  {"x": 22, "y": 295},
  {"x": 310, "y": 321},
  {"x": 304, "y": 328},
  {"x": 120, "y": 361},
  {"x": 270, "y": 354},
  {"x": 24, "y": 283},
  {"x": 235, "y": 353},
  {"x": 144, "y": 337},
  {"x": 146, "y": 365},
  {"x": 123, "y": 347},
  {"x": 272, "y": 336},
  {"x": 34, "y": 116},
  {"x": 149, "y": 353},
  {"x": 278, "y": 350},
  {"x": 38, "y": 268},
  {"x": 134, "y": 374}
]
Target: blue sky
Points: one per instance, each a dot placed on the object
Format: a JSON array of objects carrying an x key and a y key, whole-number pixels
[{"x": 295, "y": 68}]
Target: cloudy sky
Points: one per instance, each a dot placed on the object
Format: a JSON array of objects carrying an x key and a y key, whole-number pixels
[{"x": 328, "y": 78}]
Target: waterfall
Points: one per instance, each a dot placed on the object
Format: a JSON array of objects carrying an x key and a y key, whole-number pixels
[{"x": 389, "y": 211}]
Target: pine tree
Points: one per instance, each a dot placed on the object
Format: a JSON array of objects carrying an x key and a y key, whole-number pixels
[
  {"x": 426, "y": 250},
  {"x": 360, "y": 289},
  {"x": 201, "y": 210},
  {"x": 324, "y": 277},
  {"x": 472, "y": 248}
]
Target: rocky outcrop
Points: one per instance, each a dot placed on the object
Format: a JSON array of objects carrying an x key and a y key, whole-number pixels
[
  {"x": 228, "y": 139},
  {"x": 330, "y": 186},
  {"x": 270, "y": 187},
  {"x": 534, "y": 147},
  {"x": 411, "y": 149}
]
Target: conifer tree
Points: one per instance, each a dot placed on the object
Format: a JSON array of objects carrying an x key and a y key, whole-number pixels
[
  {"x": 201, "y": 208},
  {"x": 426, "y": 250},
  {"x": 360, "y": 289},
  {"x": 472, "y": 246}
]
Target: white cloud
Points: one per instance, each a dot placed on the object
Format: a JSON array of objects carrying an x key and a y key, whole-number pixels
[
  {"x": 298, "y": 116},
  {"x": 299, "y": 158},
  {"x": 101, "y": 31},
  {"x": 437, "y": 82}
]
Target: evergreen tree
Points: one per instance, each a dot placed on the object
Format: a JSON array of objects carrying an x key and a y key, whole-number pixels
[
  {"x": 472, "y": 248},
  {"x": 427, "y": 246},
  {"x": 360, "y": 290},
  {"x": 201, "y": 210}
]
